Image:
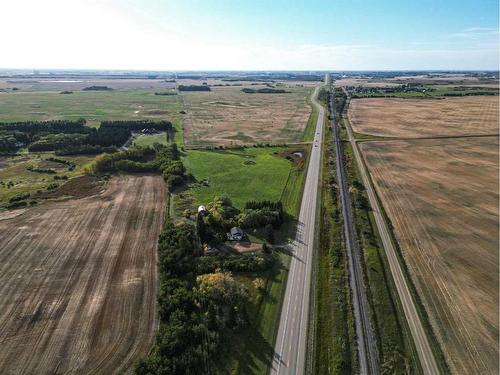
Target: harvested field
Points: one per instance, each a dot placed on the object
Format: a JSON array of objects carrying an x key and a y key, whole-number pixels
[
  {"x": 441, "y": 196},
  {"x": 413, "y": 118},
  {"x": 78, "y": 281},
  {"x": 226, "y": 115},
  {"x": 423, "y": 79}
]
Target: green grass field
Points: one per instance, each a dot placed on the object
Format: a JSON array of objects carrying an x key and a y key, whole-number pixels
[
  {"x": 243, "y": 175},
  {"x": 147, "y": 140},
  {"x": 94, "y": 106}
]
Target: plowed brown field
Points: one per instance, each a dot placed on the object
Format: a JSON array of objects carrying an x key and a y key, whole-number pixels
[
  {"x": 413, "y": 118},
  {"x": 78, "y": 281},
  {"x": 442, "y": 198}
]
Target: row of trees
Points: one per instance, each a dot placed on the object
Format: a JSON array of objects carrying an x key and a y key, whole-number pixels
[
  {"x": 265, "y": 90},
  {"x": 160, "y": 158},
  {"x": 194, "y": 88},
  {"x": 85, "y": 150},
  {"x": 50, "y": 142},
  {"x": 54, "y": 126},
  {"x": 72, "y": 137},
  {"x": 138, "y": 125}
]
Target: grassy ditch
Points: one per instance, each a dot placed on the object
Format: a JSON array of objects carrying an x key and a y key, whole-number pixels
[
  {"x": 313, "y": 119},
  {"x": 334, "y": 342}
]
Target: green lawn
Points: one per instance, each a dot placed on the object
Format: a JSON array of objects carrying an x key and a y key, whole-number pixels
[
  {"x": 244, "y": 175},
  {"x": 146, "y": 140}
]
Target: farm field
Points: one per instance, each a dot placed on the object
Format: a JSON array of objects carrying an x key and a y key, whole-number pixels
[
  {"x": 444, "y": 210},
  {"x": 79, "y": 281},
  {"x": 94, "y": 106},
  {"x": 228, "y": 116},
  {"x": 445, "y": 79},
  {"x": 75, "y": 83},
  {"x": 414, "y": 118}
]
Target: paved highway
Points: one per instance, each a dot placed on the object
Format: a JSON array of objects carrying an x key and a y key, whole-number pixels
[
  {"x": 367, "y": 345},
  {"x": 425, "y": 354},
  {"x": 290, "y": 348}
]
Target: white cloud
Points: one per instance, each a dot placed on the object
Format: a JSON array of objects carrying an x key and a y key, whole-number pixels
[{"x": 474, "y": 33}]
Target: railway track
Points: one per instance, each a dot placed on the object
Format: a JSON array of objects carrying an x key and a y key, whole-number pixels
[{"x": 367, "y": 345}]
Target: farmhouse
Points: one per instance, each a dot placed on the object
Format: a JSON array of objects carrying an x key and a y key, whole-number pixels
[{"x": 235, "y": 234}]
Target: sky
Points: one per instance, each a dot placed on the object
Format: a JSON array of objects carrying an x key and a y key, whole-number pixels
[{"x": 179, "y": 35}]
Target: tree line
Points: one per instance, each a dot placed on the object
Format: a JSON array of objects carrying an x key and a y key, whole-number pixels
[
  {"x": 73, "y": 137},
  {"x": 159, "y": 159},
  {"x": 265, "y": 90},
  {"x": 194, "y": 88}
]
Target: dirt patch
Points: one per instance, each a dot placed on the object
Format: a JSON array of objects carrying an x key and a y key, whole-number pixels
[
  {"x": 49, "y": 164},
  {"x": 412, "y": 118},
  {"x": 296, "y": 155},
  {"x": 245, "y": 247},
  {"x": 442, "y": 198},
  {"x": 4, "y": 215},
  {"x": 78, "y": 281}
]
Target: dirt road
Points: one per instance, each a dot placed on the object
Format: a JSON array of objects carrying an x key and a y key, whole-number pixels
[{"x": 78, "y": 281}]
